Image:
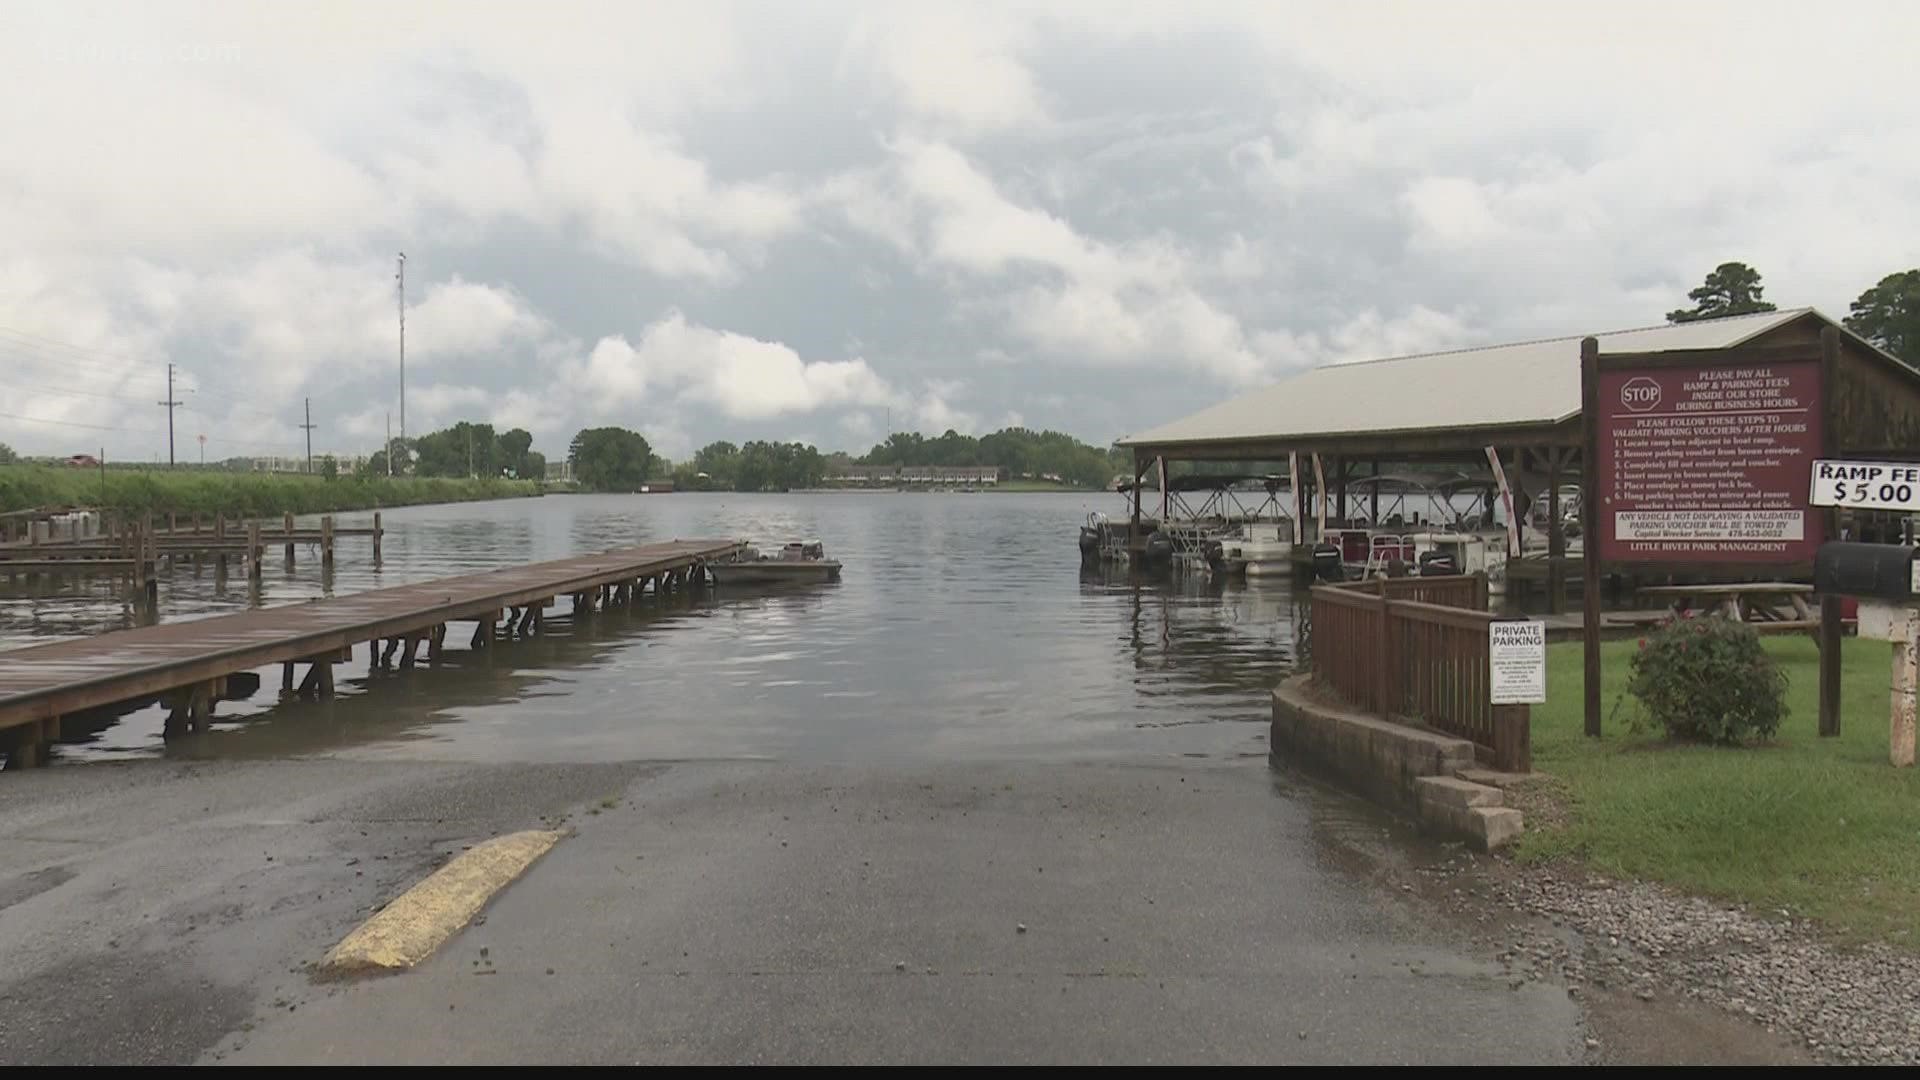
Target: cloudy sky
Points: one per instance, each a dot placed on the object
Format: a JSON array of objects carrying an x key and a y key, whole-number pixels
[{"x": 800, "y": 219}]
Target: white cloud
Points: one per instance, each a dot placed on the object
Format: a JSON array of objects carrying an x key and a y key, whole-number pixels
[
  {"x": 742, "y": 377},
  {"x": 1188, "y": 198},
  {"x": 955, "y": 68}
]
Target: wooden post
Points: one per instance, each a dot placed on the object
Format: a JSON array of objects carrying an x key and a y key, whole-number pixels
[
  {"x": 173, "y": 523},
  {"x": 1830, "y": 614},
  {"x": 139, "y": 567},
  {"x": 220, "y": 525},
  {"x": 1513, "y": 738},
  {"x": 376, "y": 537},
  {"x": 288, "y": 521},
  {"x": 1900, "y": 720},
  {"x": 1590, "y": 529},
  {"x": 436, "y": 641},
  {"x": 256, "y": 550},
  {"x": 326, "y": 542},
  {"x": 325, "y": 665},
  {"x": 1339, "y": 491},
  {"x": 286, "y": 676},
  {"x": 1383, "y": 671},
  {"x": 29, "y": 749},
  {"x": 1133, "y": 522},
  {"x": 1556, "y": 536},
  {"x": 196, "y": 523}
]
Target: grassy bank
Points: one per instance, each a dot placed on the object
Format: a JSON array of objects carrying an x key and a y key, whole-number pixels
[
  {"x": 1820, "y": 827},
  {"x": 248, "y": 494}
]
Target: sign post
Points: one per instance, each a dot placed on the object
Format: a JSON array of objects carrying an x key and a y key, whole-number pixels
[{"x": 1698, "y": 458}]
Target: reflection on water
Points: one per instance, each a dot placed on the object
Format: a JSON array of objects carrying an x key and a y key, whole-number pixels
[{"x": 963, "y": 626}]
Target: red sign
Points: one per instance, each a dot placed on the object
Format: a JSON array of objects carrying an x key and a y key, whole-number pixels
[{"x": 1708, "y": 463}]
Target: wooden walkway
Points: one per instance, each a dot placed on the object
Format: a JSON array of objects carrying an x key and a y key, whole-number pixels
[{"x": 186, "y": 664}]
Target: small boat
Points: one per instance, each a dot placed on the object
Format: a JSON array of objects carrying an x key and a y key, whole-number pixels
[{"x": 798, "y": 563}]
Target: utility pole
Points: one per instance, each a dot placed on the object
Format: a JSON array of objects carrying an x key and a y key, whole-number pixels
[
  {"x": 400, "y": 275},
  {"x": 308, "y": 428},
  {"x": 469, "y": 453},
  {"x": 170, "y": 405},
  {"x": 389, "y": 444}
]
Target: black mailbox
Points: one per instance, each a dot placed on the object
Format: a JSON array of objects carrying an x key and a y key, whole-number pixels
[{"x": 1877, "y": 571}]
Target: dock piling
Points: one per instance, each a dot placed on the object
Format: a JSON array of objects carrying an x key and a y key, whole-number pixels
[
  {"x": 186, "y": 664},
  {"x": 256, "y": 550},
  {"x": 287, "y": 521},
  {"x": 326, "y": 542},
  {"x": 377, "y": 533}
]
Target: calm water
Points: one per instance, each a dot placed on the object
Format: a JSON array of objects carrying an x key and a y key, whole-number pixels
[{"x": 962, "y": 626}]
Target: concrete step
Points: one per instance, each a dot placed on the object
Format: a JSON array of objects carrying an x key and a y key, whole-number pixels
[
  {"x": 1494, "y": 777},
  {"x": 1455, "y": 792},
  {"x": 1493, "y": 827}
]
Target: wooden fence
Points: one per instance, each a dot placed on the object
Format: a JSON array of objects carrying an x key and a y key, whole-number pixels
[{"x": 1418, "y": 660}]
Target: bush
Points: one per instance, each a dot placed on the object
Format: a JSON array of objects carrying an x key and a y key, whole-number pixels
[{"x": 1708, "y": 680}]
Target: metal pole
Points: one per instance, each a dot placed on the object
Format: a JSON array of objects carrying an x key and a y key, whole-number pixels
[{"x": 401, "y": 276}]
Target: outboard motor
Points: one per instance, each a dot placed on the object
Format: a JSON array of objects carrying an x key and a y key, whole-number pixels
[
  {"x": 1438, "y": 564},
  {"x": 1216, "y": 555},
  {"x": 1158, "y": 551},
  {"x": 1328, "y": 564}
]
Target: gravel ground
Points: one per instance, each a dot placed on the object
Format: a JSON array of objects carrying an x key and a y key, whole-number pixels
[{"x": 1851, "y": 1005}]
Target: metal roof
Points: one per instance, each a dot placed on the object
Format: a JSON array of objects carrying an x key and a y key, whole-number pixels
[{"x": 1526, "y": 383}]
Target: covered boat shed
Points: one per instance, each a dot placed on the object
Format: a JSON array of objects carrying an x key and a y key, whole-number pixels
[{"x": 1520, "y": 401}]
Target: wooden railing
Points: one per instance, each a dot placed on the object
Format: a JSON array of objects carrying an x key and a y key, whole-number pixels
[
  {"x": 1419, "y": 661},
  {"x": 1454, "y": 590}
]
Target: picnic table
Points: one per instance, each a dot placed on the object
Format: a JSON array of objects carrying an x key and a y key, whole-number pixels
[{"x": 1744, "y": 601}]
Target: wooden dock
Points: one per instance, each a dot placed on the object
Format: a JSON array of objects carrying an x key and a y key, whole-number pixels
[
  {"x": 186, "y": 664},
  {"x": 135, "y": 550}
]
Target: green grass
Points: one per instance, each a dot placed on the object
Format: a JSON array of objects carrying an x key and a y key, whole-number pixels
[
  {"x": 1823, "y": 828},
  {"x": 246, "y": 494}
]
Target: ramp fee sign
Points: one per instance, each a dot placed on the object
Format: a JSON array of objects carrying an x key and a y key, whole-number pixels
[
  {"x": 1517, "y": 661},
  {"x": 1704, "y": 463},
  {"x": 1867, "y": 485}
]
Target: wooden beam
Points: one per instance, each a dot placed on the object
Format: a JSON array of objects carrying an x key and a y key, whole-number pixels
[
  {"x": 1590, "y": 533},
  {"x": 1556, "y": 538},
  {"x": 1830, "y": 613}
]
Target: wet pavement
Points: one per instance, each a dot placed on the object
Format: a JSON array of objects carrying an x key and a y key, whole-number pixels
[{"x": 735, "y": 912}]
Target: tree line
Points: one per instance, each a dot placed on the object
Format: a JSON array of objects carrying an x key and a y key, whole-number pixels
[
  {"x": 1017, "y": 452},
  {"x": 1887, "y": 313},
  {"x": 466, "y": 449}
]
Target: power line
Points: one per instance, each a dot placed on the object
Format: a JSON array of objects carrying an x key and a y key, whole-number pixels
[
  {"x": 44, "y": 388},
  {"x": 76, "y": 424},
  {"x": 139, "y": 431},
  {"x": 70, "y": 346}
]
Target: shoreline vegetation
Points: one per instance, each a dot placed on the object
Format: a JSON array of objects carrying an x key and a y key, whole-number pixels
[{"x": 195, "y": 491}]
